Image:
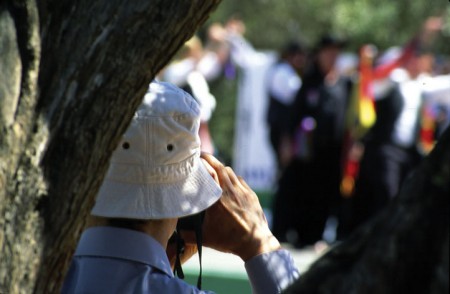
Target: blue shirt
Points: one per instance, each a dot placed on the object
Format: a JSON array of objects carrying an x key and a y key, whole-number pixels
[{"x": 114, "y": 260}]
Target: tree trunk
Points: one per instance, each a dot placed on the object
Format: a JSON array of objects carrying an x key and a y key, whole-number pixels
[
  {"x": 72, "y": 73},
  {"x": 405, "y": 249}
]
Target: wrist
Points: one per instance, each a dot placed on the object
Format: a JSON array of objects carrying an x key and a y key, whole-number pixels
[{"x": 257, "y": 246}]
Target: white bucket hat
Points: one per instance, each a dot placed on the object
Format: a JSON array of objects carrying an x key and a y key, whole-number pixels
[{"x": 156, "y": 172}]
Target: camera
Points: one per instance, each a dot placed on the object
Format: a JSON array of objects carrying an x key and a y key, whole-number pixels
[{"x": 191, "y": 223}]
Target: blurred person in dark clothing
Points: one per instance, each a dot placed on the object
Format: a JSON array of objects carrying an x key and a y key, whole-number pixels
[
  {"x": 284, "y": 82},
  {"x": 309, "y": 187}
]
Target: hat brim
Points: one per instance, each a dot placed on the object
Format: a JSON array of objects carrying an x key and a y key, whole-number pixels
[{"x": 191, "y": 195}]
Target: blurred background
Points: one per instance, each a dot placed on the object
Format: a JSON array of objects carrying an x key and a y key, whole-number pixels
[
  {"x": 271, "y": 23},
  {"x": 323, "y": 107}
]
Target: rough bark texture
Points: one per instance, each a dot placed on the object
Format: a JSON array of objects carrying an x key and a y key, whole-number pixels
[
  {"x": 404, "y": 250},
  {"x": 72, "y": 72}
]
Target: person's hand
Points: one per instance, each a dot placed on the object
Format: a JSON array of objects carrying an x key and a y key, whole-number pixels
[
  {"x": 236, "y": 27},
  {"x": 236, "y": 223},
  {"x": 217, "y": 33}
]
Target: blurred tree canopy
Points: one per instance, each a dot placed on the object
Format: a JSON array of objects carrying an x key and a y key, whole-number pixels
[{"x": 270, "y": 23}]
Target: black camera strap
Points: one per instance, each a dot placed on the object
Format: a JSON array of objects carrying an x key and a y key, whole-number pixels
[
  {"x": 178, "y": 271},
  {"x": 199, "y": 237}
]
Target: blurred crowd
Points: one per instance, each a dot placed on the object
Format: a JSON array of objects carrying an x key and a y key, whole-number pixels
[{"x": 346, "y": 129}]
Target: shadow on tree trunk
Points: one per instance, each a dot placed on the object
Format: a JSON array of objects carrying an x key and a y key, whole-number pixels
[{"x": 405, "y": 249}]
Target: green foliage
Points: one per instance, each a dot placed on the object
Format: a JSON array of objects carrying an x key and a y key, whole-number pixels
[
  {"x": 223, "y": 120},
  {"x": 385, "y": 23}
]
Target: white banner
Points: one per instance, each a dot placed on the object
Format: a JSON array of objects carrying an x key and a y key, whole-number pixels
[{"x": 253, "y": 156}]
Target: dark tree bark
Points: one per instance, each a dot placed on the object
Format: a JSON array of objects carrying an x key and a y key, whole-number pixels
[
  {"x": 405, "y": 249},
  {"x": 72, "y": 73}
]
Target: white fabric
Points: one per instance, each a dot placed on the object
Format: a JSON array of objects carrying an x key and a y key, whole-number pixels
[
  {"x": 156, "y": 172},
  {"x": 405, "y": 127},
  {"x": 177, "y": 72},
  {"x": 437, "y": 89},
  {"x": 242, "y": 52},
  {"x": 284, "y": 83},
  {"x": 210, "y": 66},
  {"x": 415, "y": 92},
  {"x": 254, "y": 159},
  {"x": 200, "y": 90},
  {"x": 187, "y": 72}
]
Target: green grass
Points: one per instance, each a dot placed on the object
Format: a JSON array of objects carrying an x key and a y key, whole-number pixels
[{"x": 220, "y": 282}]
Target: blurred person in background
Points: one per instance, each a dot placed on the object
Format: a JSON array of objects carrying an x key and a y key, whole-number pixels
[
  {"x": 189, "y": 72},
  {"x": 241, "y": 50},
  {"x": 284, "y": 81},
  {"x": 309, "y": 187},
  {"x": 405, "y": 127},
  {"x": 401, "y": 135},
  {"x": 196, "y": 66}
]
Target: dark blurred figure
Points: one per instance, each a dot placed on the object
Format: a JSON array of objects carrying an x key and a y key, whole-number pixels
[
  {"x": 309, "y": 187},
  {"x": 284, "y": 82}
]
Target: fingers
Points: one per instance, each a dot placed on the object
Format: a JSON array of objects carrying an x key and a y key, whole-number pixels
[
  {"x": 225, "y": 182},
  {"x": 233, "y": 178},
  {"x": 244, "y": 183},
  {"x": 228, "y": 180},
  {"x": 221, "y": 169},
  {"x": 223, "y": 173},
  {"x": 211, "y": 171},
  {"x": 212, "y": 161},
  {"x": 246, "y": 233}
]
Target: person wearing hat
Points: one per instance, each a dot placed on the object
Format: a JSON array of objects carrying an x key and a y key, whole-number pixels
[{"x": 157, "y": 176}]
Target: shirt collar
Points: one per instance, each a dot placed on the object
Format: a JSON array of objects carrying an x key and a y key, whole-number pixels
[{"x": 124, "y": 244}]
